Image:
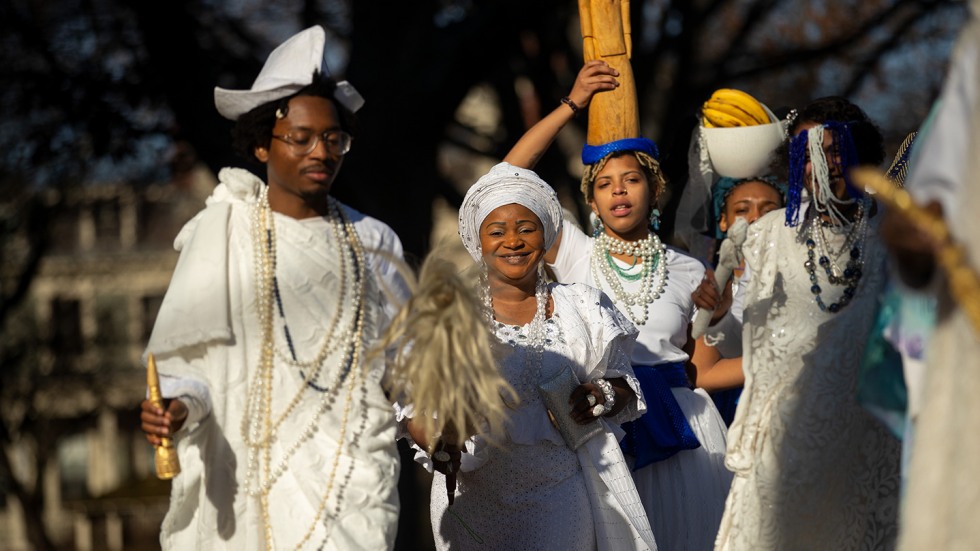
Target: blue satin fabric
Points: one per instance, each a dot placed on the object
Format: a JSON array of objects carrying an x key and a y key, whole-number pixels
[{"x": 663, "y": 430}]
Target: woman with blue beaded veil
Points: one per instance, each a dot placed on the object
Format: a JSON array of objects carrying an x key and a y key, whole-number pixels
[
  {"x": 551, "y": 475},
  {"x": 676, "y": 450},
  {"x": 811, "y": 465}
]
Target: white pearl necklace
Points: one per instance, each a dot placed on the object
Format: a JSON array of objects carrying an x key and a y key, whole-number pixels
[
  {"x": 856, "y": 235},
  {"x": 260, "y": 430},
  {"x": 536, "y": 338},
  {"x": 653, "y": 255}
]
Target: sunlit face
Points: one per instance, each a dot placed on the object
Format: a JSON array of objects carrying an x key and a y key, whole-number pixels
[
  {"x": 837, "y": 183},
  {"x": 749, "y": 200},
  {"x": 300, "y": 183},
  {"x": 621, "y": 197},
  {"x": 512, "y": 240}
]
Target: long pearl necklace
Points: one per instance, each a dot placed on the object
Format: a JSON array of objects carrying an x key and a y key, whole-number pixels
[
  {"x": 820, "y": 253},
  {"x": 653, "y": 254},
  {"x": 260, "y": 428}
]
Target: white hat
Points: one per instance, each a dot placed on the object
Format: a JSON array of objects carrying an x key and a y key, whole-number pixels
[
  {"x": 744, "y": 151},
  {"x": 289, "y": 68}
]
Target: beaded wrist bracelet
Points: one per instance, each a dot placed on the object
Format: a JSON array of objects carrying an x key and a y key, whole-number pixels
[
  {"x": 567, "y": 101},
  {"x": 607, "y": 393}
]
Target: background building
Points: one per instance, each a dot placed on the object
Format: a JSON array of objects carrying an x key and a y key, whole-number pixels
[{"x": 74, "y": 396}]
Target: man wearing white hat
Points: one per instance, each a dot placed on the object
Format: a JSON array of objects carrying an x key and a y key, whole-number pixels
[{"x": 265, "y": 338}]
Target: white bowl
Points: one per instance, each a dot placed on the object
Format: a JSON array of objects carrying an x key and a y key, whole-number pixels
[{"x": 744, "y": 151}]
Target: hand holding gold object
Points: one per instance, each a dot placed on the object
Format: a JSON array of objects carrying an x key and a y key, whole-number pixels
[{"x": 167, "y": 463}]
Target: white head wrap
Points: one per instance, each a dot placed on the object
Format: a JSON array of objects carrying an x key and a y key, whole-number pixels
[{"x": 507, "y": 184}]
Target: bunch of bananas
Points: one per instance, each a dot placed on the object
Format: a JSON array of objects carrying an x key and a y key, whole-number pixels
[{"x": 728, "y": 107}]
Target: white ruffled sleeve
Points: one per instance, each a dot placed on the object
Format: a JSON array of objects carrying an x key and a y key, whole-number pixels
[{"x": 603, "y": 339}]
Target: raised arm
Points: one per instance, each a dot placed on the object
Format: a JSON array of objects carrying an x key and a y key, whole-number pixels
[{"x": 595, "y": 76}]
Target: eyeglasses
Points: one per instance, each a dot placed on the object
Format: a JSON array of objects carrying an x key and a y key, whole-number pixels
[{"x": 304, "y": 142}]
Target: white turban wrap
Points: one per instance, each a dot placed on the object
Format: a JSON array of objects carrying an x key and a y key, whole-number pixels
[{"x": 507, "y": 184}]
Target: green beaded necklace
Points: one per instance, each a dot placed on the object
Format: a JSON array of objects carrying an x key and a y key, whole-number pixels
[{"x": 623, "y": 272}]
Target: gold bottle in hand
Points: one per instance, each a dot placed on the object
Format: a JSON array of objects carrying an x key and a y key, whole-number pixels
[{"x": 168, "y": 466}]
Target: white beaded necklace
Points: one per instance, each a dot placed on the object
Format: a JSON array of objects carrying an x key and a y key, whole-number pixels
[
  {"x": 653, "y": 255},
  {"x": 855, "y": 237},
  {"x": 536, "y": 335},
  {"x": 259, "y": 427},
  {"x": 820, "y": 254}
]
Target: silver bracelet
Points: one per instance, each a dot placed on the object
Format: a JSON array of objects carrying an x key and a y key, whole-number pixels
[{"x": 608, "y": 394}]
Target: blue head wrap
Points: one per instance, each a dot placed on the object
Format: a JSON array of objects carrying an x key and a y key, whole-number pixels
[{"x": 592, "y": 154}]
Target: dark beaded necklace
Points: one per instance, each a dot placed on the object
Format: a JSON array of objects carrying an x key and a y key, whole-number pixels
[
  {"x": 817, "y": 244},
  {"x": 850, "y": 278}
]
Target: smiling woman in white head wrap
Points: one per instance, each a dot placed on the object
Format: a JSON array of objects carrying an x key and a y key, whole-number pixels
[
  {"x": 554, "y": 476},
  {"x": 508, "y": 184}
]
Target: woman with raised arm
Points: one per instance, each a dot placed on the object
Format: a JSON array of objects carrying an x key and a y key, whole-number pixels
[{"x": 677, "y": 448}]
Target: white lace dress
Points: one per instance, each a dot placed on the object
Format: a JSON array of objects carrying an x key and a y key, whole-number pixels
[
  {"x": 530, "y": 491},
  {"x": 813, "y": 470},
  {"x": 684, "y": 495}
]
